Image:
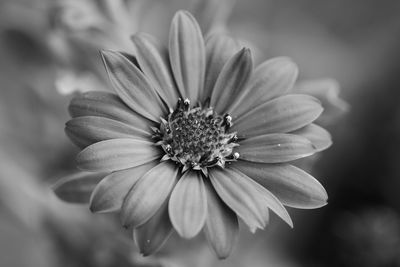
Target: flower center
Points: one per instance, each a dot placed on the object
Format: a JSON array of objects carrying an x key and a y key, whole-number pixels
[{"x": 197, "y": 138}]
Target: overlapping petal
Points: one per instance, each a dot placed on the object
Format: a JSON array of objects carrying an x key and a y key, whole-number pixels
[
  {"x": 87, "y": 130},
  {"x": 152, "y": 235},
  {"x": 319, "y": 137},
  {"x": 117, "y": 154},
  {"x": 110, "y": 193},
  {"x": 108, "y": 105},
  {"x": 187, "y": 55},
  {"x": 273, "y": 78},
  {"x": 132, "y": 86},
  {"x": 222, "y": 226},
  {"x": 247, "y": 198},
  {"x": 275, "y": 148},
  {"x": 148, "y": 194},
  {"x": 153, "y": 60},
  {"x": 280, "y": 115},
  {"x": 77, "y": 187},
  {"x": 230, "y": 82},
  {"x": 293, "y": 186},
  {"x": 219, "y": 49},
  {"x": 188, "y": 204}
]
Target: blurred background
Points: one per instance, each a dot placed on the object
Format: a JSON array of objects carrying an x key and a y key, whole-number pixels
[{"x": 49, "y": 51}]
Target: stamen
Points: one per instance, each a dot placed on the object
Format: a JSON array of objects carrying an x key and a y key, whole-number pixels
[
  {"x": 232, "y": 157},
  {"x": 168, "y": 149},
  {"x": 197, "y": 138},
  {"x": 193, "y": 164},
  {"x": 233, "y": 139},
  {"x": 227, "y": 122},
  {"x": 186, "y": 104}
]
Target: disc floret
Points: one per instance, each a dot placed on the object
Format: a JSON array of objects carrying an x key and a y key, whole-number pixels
[{"x": 197, "y": 138}]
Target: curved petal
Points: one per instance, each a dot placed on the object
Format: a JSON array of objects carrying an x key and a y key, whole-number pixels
[
  {"x": 293, "y": 186},
  {"x": 187, "y": 55},
  {"x": 327, "y": 91},
  {"x": 222, "y": 226},
  {"x": 108, "y": 105},
  {"x": 148, "y": 194},
  {"x": 110, "y": 193},
  {"x": 247, "y": 198},
  {"x": 153, "y": 60},
  {"x": 281, "y": 115},
  {"x": 84, "y": 131},
  {"x": 273, "y": 78},
  {"x": 117, "y": 154},
  {"x": 219, "y": 49},
  {"x": 77, "y": 187},
  {"x": 230, "y": 82},
  {"x": 188, "y": 205},
  {"x": 132, "y": 86},
  {"x": 275, "y": 148},
  {"x": 319, "y": 137},
  {"x": 153, "y": 234}
]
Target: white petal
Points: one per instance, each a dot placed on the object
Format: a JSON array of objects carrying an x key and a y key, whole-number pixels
[
  {"x": 187, "y": 55},
  {"x": 188, "y": 205},
  {"x": 149, "y": 194},
  {"x": 117, "y": 154}
]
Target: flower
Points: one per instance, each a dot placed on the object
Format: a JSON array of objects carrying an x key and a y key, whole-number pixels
[{"x": 194, "y": 138}]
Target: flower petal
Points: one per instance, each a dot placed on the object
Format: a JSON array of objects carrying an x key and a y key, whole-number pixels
[
  {"x": 110, "y": 193},
  {"x": 222, "y": 226},
  {"x": 153, "y": 234},
  {"x": 219, "y": 49},
  {"x": 148, "y": 194},
  {"x": 187, "y": 55},
  {"x": 272, "y": 78},
  {"x": 77, "y": 187},
  {"x": 153, "y": 60},
  {"x": 280, "y": 115},
  {"x": 327, "y": 91},
  {"x": 117, "y": 154},
  {"x": 319, "y": 137},
  {"x": 188, "y": 205},
  {"x": 132, "y": 86},
  {"x": 84, "y": 131},
  {"x": 103, "y": 104},
  {"x": 293, "y": 186},
  {"x": 247, "y": 198},
  {"x": 275, "y": 148},
  {"x": 230, "y": 82}
]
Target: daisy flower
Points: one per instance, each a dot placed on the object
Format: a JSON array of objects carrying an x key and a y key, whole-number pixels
[{"x": 195, "y": 139}]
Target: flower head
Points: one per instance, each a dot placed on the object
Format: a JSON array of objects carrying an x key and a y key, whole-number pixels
[{"x": 194, "y": 138}]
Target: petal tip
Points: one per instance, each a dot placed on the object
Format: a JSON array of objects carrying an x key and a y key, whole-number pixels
[
  {"x": 105, "y": 53},
  {"x": 183, "y": 12}
]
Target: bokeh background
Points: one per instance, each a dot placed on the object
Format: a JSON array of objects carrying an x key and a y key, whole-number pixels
[{"x": 47, "y": 53}]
